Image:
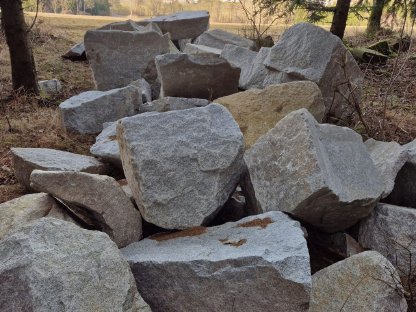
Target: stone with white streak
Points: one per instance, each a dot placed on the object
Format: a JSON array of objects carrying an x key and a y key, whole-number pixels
[
  {"x": 181, "y": 165},
  {"x": 53, "y": 265},
  {"x": 85, "y": 113},
  {"x": 258, "y": 264},
  {"x": 320, "y": 173},
  {"x": 96, "y": 197},
  {"x": 363, "y": 282},
  {"x": 389, "y": 158},
  {"x": 25, "y": 160},
  {"x": 118, "y": 58}
]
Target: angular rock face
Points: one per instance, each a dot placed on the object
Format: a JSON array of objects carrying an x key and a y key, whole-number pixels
[
  {"x": 22, "y": 210},
  {"x": 364, "y": 282},
  {"x": 106, "y": 145},
  {"x": 50, "y": 87},
  {"x": 267, "y": 252},
  {"x": 172, "y": 103},
  {"x": 308, "y": 52},
  {"x": 202, "y": 76},
  {"x": 128, "y": 25},
  {"x": 257, "y": 111},
  {"x": 217, "y": 38},
  {"x": 239, "y": 57},
  {"x": 390, "y": 231},
  {"x": 119, "y": 57},
  {"x": 76, "y": 53},
  {"x": 181, "y": 25},
  {"x": 404, "y": 192},
  {"x": 191, "y": 48},
  {"x": 145, "y": 89},
  {"x": 95, "y": 197},
  {"x": 321, "y": 174},
  {"x": 25, "y": 160},
  {"x": 85, "y": 113},
  {"x": 181, "y": 165},
  {"x": 389, "y": 158},
  {"x": 53, "y": 265}
]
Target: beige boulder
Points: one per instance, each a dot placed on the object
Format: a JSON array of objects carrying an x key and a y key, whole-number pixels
[
  {"x": 257, "y": 111},
  {"x": 364, "y": 282},
  {"x": 95, "y": 197}
]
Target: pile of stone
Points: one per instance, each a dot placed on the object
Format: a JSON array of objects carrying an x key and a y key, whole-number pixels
[{"x": 217, "y": 188}]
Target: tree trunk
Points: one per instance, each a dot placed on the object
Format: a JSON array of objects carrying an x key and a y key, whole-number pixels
[
  {"x": 374, "y": 22},
  {"x": 339, "y": 21},
  {"x": 15, "y": 28}
]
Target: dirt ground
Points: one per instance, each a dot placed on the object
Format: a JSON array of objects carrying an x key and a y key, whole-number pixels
[{"x": 27, "y": 121}]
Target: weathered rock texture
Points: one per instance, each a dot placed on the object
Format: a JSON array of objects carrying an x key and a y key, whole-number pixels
[
  {"x": 364, "y": 282},
  {"x": 145, "y": 89},
  {"x": 390, "y": 231},
  {"x": 404, "y": 192},
  {"x": 321, "y": 174},
  {"x": 181, "y": 25},
  {"x": 53, "y": 265},
  {"x": 202, "y": 76},
  {"x": 181, "y": 165},
  {"x": 389, "y": 158},
  {"x": 76, "y": 53},
  {"x": 257, "y": 111},
  {"x": 260, "y": 263},
  {"x": 217, "y": 38},
  {"x": 308, "y": 52},
  {"x": 96, "y": 197},
  {"x": 21, "y": 210},
  {"x": 119, "y": 57},
  {"x": 191, "y": 48},
  {"x": 50, "y": 87},
  {"x": 25, "y": 160},
  {"x": 86, "y": 112},
  {"x": 128, "y": 25},
  {"x": 106, "y": 145},
  {"x": 172, "y": 103}
]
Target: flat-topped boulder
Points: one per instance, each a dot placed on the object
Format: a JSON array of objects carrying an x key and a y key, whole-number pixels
[
  {"x": 181, "y": 25},
  {"x": 390, "y": 231},
  {"x": 257, "y": 111},
  {"x": 204, "y": 76},
  {"x": 217, "y": 38},
  {"x": 53, "y": 265},
  {"x": 309, "y": 52},
  {"x": 25, "y": 160},
  {"x": 191, "y": 48},
  {"x": 181, "y": 165},
  {"x": 118, "y": 58},
  {"x": 320, "y": 173},
  {"x": 258, "y": 264},
  {"x": 363, "y": 282},
  {"x": 167, "y": 104},
  {"x": 96, "y": 197},
  {"x": 85, "y": 113},
  {"x": 389, "y": 158}
]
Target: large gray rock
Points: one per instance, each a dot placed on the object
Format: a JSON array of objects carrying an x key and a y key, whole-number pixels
[
  {"x": 76, "y": 53},
  {"x": 258, "y": 264},
  {"x": 364, "y": 282},
  {"x": 172, "y": 103},
  {"x": 308, "y": 52},
  {"x": 217, "y": 38},
  {"x": 119, "y": 57},
  {"x": 97, "y": 197},
  {"x": 389, "y": 158},
  {"x": 321, "y": 174},
  {"x": 25, "y": 160},
  {"x": 53, "y": 265},
  {"x": 404, "y": 192},
  {"x": 181, "y": 25},
  {"x": 85, "y": 113},
  {"x": 181, "y": 165},
  {"x": 204, "y": 76},
  {"x": 191, "y": 48},
  {"x": 24, "y": 209},
  {"x": 390, "y": 230},
  {"x": 106, "y": 145}
]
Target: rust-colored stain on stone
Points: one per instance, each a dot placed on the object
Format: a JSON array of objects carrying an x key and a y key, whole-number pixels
[
  {"x": 112, "y": 137},
  {"x": 263, "y": 223},
  {"x": 233, "y": 243},
  {"x": 195, "y": 231},
  {"x": 122, "y": 182}
]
